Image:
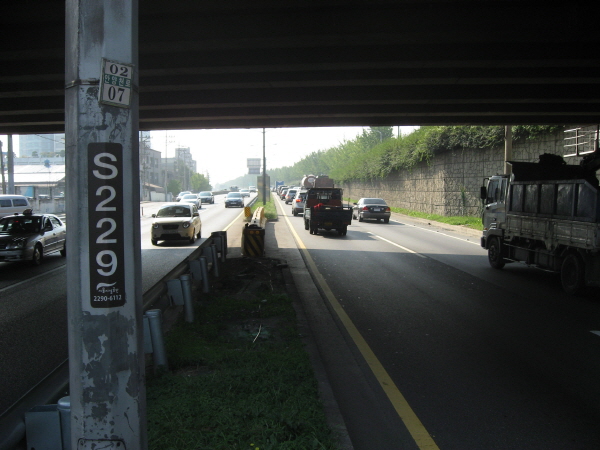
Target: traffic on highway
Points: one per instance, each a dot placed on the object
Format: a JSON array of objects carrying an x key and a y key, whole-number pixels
[
  {"x": 33, "y": 308},
  {"x": 446, "y": 351},
  {"x": 435, "y": 343}
]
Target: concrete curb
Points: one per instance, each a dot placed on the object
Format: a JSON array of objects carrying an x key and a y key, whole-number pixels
[{"x": 301, "y": 289}]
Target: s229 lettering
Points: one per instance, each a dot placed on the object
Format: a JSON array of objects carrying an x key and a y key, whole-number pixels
[{"x": 105, "y": 203}]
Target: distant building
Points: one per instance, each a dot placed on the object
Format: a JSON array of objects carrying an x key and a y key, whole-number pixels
[
  {"x": 41, "y": 145},
  {"x": 150, "y": 172},
  {"x": 39, "y": 171},
  {"x": 181, "y": 168}
]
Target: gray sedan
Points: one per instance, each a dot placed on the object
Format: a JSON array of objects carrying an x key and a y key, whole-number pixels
[
  {"x": 371, "y": 208},
  {"x": 29, "y": 237}
]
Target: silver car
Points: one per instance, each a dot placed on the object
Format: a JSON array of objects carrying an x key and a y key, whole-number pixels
[
  {"x": 371, "y": 208},
  {"x": 29, "y": 237},
  {"x": 175, "y": 221},
  {"x": 298, "y": 203},
  {"x": 191, "y": 198},
  {"x": 289, "y": 195},
  {"x": 206, "y": 197}
]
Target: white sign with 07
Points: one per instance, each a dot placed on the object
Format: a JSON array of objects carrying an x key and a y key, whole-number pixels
[{"x": 116, "y": 83}]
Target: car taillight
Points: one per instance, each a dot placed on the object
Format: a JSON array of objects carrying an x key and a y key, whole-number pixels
[
  {"x": 365, "y": 208},
  {"x": 298, "y": 200},
  {"x": 387, "y": 209}
]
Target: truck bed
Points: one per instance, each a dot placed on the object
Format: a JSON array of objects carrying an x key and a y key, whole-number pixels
[{"x": 327, "y": 218}]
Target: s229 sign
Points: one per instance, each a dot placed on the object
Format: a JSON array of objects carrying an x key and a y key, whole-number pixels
[{"x": 105, "y": 203}]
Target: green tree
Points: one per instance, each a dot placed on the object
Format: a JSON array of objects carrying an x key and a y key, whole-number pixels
[
  {"x": 200, "y": 183},
  {"x": 174, "y": 187}
]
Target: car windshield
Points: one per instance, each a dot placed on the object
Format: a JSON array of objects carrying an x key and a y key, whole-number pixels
[
  {"x": 174, "y": 211},
  {"x": 374, "y": 201},
  {"x": 190, "y": 197},
  {"x": 234, "y": 195},
  {"x": 206, "y": 194},
  {"x": 20, "y": 225}
]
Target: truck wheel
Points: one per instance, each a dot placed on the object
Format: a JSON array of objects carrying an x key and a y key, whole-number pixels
[
  {"x": 572, "y": 274},
  {"x": 306, "y": 225},
  {"x": 495, "y": 254}
]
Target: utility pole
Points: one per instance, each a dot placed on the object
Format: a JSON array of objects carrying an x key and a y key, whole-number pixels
[
  {"x": 104, "y": 297},
  {"x": 264, "y": 192},
  {"x": 507, "y": 148},
  {"x": 2, "y": 169},
  {"x": 11, "y": 165}
]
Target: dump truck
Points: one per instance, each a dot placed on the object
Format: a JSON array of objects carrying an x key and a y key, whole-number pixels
[
  {"x": 546, "y": 215},
  {"x": 323, "y": 208},
  {"x": 319, "y": 181}
]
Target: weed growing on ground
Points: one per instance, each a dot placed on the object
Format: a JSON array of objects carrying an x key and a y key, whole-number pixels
[{"x": 239, "y": 376}]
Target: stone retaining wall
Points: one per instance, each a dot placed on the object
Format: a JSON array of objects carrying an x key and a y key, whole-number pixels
[{"x": 450, "y": 183}]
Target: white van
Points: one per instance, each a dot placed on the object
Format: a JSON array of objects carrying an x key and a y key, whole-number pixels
[{"x": 10, "y": 204}]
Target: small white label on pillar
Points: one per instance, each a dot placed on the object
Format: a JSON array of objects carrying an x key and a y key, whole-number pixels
[{"x": 116, "y": 83}]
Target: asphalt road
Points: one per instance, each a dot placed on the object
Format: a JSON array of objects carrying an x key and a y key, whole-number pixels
[
  {"x": 33, "y": 306},
  {"x": 484, "y": 359}
]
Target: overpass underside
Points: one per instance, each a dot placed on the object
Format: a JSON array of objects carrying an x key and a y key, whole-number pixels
[{"x": 278, "y": 63}]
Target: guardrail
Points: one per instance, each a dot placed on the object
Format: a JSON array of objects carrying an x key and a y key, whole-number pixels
[{"x": 54, "y": 386}]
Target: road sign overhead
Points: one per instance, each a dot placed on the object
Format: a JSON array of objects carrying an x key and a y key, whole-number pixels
[{"x": 116, "y": 83}]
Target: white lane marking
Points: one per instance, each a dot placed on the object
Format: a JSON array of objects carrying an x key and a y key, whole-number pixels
[
  {"x": 12, "y": 286},
  {"x": 397, "y": 245},
  {"x": 438, "y": 232},
  {"x": 595, "y": 332}
]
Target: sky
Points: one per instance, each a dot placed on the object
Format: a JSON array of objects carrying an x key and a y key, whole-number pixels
[{"x": 223, "y": 153}]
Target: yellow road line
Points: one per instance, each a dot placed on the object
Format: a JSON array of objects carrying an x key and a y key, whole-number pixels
[{"x": 416, "y": 429}]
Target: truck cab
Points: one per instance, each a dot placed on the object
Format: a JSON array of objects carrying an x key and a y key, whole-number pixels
[{"x": 494, "y": 196}]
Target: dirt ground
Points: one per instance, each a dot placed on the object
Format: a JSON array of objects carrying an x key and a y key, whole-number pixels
[{"x": 243, "y": 277}]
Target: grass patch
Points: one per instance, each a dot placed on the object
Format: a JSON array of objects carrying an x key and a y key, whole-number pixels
[
  {"x": 239, "y": 375},
  {"x": 270, "y": 211},
  {"x": 466, "y": 221}
]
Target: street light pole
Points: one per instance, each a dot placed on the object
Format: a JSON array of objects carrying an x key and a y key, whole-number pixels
[
  {"x": 264, "y": 184},
  {"x": 2, "y": 169}
]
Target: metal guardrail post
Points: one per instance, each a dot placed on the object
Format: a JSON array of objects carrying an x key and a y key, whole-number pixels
[
  {"x": 204, "y": 270},
  {"x": 174, "y": 292},
  {"x": 156, "y": 334},
  {"x": 208, "y": 254},
  {"x": 195, "y": 270},
  {"x": 64, "y": 411},
  {"x": 215, "y": 260},
  {"x": 220, "y": 239},
  {"x": 188, "y": 304}
]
